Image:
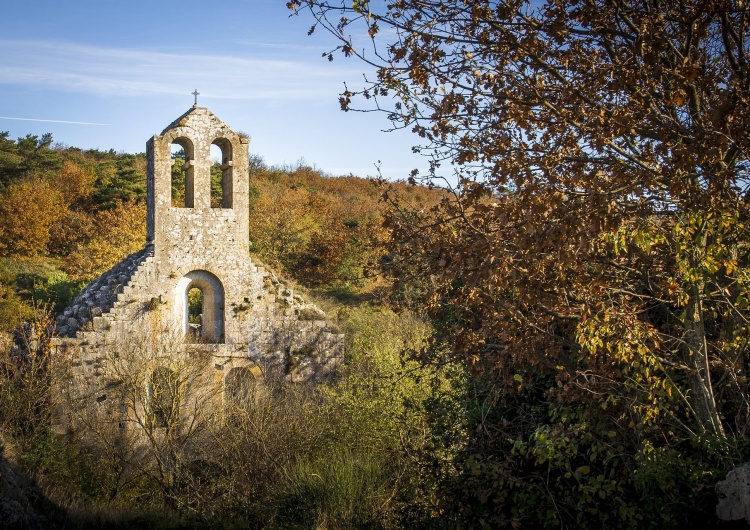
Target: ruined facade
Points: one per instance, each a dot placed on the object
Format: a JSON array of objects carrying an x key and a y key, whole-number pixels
[{"x": 251, "y": 325}]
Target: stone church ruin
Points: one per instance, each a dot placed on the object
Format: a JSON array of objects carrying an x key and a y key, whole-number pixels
[{"x": 248, "y": 326}]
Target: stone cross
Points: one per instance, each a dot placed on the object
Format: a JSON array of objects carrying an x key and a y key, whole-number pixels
[{"x": 196, "y": 94}]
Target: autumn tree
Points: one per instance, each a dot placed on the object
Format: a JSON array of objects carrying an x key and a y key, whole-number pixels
[
  {"x": 281, "y": 224},
  {"x": 75, "y": 182},
  {"x": 595, "y": 247},
  {"x": 112, "y": 234},
  {"x": 29, "y": 211}
]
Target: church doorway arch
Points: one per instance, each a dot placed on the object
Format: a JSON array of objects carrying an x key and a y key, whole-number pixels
[{"x": 208, "y": 325}]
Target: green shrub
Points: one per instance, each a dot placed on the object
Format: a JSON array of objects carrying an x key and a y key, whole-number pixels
[
  {"x": 13, "y": 310},
  {"x": 340, "y": 489}
]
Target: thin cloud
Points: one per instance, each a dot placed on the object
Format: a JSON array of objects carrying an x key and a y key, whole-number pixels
[
  {"x": 279, "y": 45},
  {"x": 133, "y": 72},
  {"x": 53, "y": 121}
]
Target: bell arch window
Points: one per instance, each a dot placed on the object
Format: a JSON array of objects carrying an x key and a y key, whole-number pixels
[
  {"x": 200, "y": 299},
  {"x": 222, "y": 173},
  {"x": 182, "y": 180}
]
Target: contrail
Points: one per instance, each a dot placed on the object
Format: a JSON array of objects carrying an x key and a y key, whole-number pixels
[{"x": 53, "y": 121}]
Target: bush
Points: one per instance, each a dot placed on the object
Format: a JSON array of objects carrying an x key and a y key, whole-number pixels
[{"x": 340, "y": 489}]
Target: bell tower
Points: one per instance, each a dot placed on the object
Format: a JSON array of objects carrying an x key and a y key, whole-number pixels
[
  {"x": 198, "y": 243},
  {"x": 194, "y": 225}
]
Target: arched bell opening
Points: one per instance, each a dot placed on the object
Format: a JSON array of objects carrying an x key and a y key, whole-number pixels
[
  {"x": 200, "y": 303},
  {"x": 182, "y": 179},
  {"x": 222, "y": 173}
]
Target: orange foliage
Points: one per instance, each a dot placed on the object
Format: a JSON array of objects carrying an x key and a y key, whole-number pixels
[
  {"x": 28, "y": 212},
  {"x": 75, "y": 182},
  {"x": 117, "y": 232},
  {"x": 323, "y": 231}
]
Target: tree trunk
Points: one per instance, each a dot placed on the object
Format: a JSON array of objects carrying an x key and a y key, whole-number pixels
[{"x": 703, "y": 400}]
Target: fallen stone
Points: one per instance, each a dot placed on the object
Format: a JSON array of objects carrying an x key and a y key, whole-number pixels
[{"x": 734, "y": 495}]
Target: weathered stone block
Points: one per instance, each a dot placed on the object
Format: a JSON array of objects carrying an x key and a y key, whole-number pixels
[
  {"x": 101, "y": 324},
  {"x": 734, "y": 495}
]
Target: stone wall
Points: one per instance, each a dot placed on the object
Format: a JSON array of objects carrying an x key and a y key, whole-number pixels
[{"x": 284, "y": 337}]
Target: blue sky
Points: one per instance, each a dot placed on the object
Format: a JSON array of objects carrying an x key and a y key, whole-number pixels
[{"x": 110, "y": 74}]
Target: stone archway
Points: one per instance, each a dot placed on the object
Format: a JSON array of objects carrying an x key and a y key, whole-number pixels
[
  {"x": 186, "y": 153},
  {"x": 212, "y": 319},
  {"x": 225, "y": 193}
]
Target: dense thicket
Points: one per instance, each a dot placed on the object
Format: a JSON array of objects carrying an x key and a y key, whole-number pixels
[
  {"x": 591, "y": 268},
  {"x": 323, "y": 231}
]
